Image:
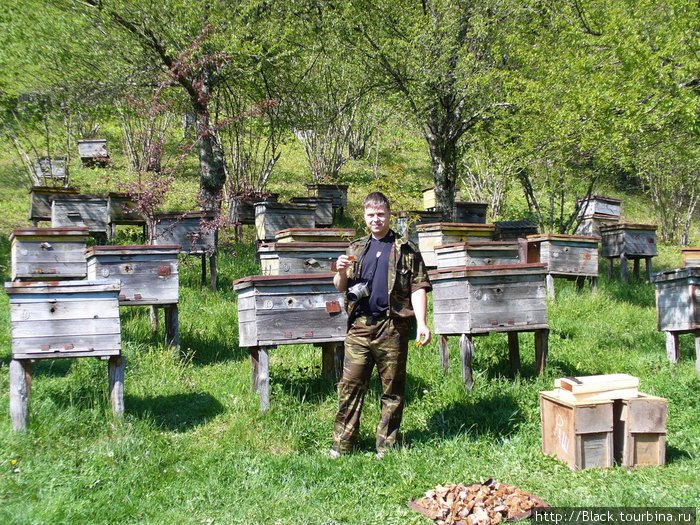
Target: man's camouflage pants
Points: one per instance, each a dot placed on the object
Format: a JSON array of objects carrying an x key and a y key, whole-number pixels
[{"x": 370, "y": 341}]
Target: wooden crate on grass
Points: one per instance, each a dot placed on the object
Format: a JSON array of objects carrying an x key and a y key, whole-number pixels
[
  {"x": 640, "y": 430},
  {"x": 41, "y": 254},
  {"x": 578, "y": 433}
]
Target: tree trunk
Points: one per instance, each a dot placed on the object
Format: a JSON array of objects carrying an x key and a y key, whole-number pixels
[{"x": 443, "y": 160}]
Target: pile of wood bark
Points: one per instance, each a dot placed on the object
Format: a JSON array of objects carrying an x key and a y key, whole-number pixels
[{"x": 486, "y": 503}]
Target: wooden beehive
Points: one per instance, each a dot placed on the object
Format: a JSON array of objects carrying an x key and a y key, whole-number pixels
[
  {"x": 484, "y": 299},
  {"x": 148, "y": 274},
  {"x": 315, "y": 235},
  {"x": 93, "y": 152},
  {"x": 242, "y": 207},
  {"x": 469, "y": 212},
  {"x": 64, "y": 319},
  {"x": 578, "y": 433},
  {"x": 48, "y": 253},
  {"x": 632, "y": 240},
  {"x": 323, "y": 208},
  {"x": 591, "y": 225},
  {"x": 405, "y": 222},
  {"x": 429, "y": 199},
  {"x": 194, "y": 231},
  {"x": 639, "y": 430},
  {"x": 40, "y": 203},
  {"x": 690, "y": 257},
  {"x": 441, "y": 233},
  {"x": 291, "y": 258},
  {"x": 599, "y": 205},
  {"x": 513, "y": 230},
  {"x": 289, "y": 309},
  {"x": 565, "y": 255},
  {"x": 678, "y": 299},
  {"x": 477, "y": 254},
  {"x": 80, "y": 211},
  {"x": 337, "y": 192},
  {"x": 51, "y": 170},
  {"x": 122, "y": 209},
  {"x": 271, "y": 217}
]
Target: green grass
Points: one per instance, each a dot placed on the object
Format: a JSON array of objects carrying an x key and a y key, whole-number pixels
[{"x": 193, "y": 446}]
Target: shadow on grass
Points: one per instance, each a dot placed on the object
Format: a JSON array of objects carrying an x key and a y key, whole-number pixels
[
  {"x": 177, "y": 412},
  {"x": 674, "y": 454},
  {"x": 497, "y": 416}
]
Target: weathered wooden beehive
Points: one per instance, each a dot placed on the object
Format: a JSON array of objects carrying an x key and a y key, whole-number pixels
[
  {"x": 289, "y": 309},
  {"x": 315, "y": 235},
  {"x": 242, "y": 207},
  {"x": 639, "y": 430},
  {"x": 469, "y": 212},
  {"x": 93, "y": 152},
  {"x": 482, "y": 299},
  {"x": 122, "y": 209},
  {"x": 580, "y": 433},
  {"x": 148, "y": 274},
  {"x": 337, "y": 192},
  {"x": 599, "y": 205},
  {"x": 194, "y": 231},
  {"x": 48, "y": 253},
  {"x": 323, "y": 208},
  {"x": 477, "y": 254},
  {"x": 429, "y": 199},
  {"x": 628, "y": 241},
  {"x": 271, "y": 217},
  {"x": 51, "y": 170},
  {"x": 513, "y": 230},
  {"x": 678, "y": 308},
  {"x": 690, "y": 257},
  {"x": 441, "y": 233},
  {"x": 80, "y": 211},
  {"x": 405, "y": 222},
  {"x": 64, "y": 319},
  {"x": 40, "y": 203},
  {"x": 567, "y": 256},
  {"x": 291, "y": 258}
]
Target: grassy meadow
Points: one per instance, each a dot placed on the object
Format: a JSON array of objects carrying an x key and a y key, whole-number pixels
[{"x": 194, "y": 448}]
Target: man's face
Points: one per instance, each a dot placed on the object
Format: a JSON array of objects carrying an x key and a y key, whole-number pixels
[{"x": 377, "y": 220}]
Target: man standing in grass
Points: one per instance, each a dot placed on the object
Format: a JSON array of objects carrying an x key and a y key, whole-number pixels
[{"x": 387, "y": 284}]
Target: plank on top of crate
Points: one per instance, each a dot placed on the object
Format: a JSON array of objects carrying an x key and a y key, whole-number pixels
[
  {"x": 289, "y": 309},
  {"x": 148, "y": 274},
  {"x": 48, "y": 253},
  {"x": 64, "y": 319}
]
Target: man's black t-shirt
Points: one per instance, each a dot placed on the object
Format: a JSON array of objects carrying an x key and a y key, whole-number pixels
[{"x": 375, "y": 270}]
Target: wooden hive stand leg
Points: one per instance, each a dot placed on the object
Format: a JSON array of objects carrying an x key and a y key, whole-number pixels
[
  {"x": 550, "y": 286},
  {"x": 338, "y": 360},
  {"x": 20, "y": 388},
  {"x": 327, "y": 360},
  {"x": 466, "y": 351},
  {"x": 610, "y": 268},
  {"x": 635, "y": 271},
  {"x": 172, "y": 327},
  {"x": 203, "y": 281},
  {"x": 514, "y": 352},
  {"x": 444, "y": 353},
  {"x": 647, "y": 261},
  {"x": 264, "y": 377},
  {"x": 624, "y": 274},
  {"x": 254, "y": 366},
  {"x": 594, "y": 283},
  {"x": 154, "y": 318},
  {"x": 116, "y": 366},
  {"x": 672, "y": 346},
  {"x": 212, "y": 270},
  {"x": 697, "y": 351},
  {"x": 541, "y": 349}
]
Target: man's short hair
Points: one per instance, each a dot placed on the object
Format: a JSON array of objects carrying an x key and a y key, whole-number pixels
[{"x": 377, "y": 199}]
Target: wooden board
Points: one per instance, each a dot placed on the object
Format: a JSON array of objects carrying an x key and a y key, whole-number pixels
[
  {"x": 580, "y": 434},
  {"x": 48, "y": 253},
  {"x": 148, "y": 274},
  {"x": 64, "y": 319},
  {"x": 596, "y": 383}
]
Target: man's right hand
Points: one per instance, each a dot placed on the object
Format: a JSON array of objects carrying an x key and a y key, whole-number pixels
[{"x": 343, "y": 263}]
